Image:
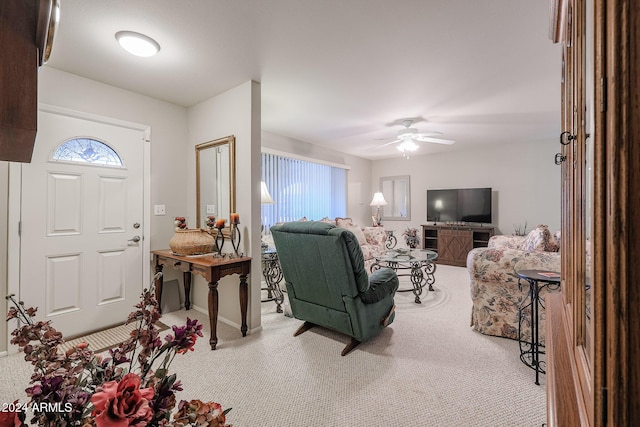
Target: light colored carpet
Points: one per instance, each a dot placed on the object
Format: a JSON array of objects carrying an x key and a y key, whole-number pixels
[{"x": 428, "y": 368}]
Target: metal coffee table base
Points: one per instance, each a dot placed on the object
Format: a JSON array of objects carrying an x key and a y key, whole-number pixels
[{"x": 422, "y": 273}]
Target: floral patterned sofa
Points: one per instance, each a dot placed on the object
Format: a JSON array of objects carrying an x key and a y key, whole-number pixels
[
  {"x": 495, "y": 293},
  {"x": 372, "y": 239}
]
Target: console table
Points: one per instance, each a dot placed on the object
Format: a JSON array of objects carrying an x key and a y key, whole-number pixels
[{"x": 212, "y": 269}]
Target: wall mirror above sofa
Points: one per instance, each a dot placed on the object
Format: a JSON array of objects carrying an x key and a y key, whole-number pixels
[
  {"x": 397, "y": 193},
  {"x": 215, "y": 179}
]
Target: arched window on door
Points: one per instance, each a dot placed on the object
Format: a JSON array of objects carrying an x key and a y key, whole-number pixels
[{"x": 88, "y": 151}]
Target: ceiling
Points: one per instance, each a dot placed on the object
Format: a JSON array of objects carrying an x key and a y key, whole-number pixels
[{"x": 337, "y": 73}]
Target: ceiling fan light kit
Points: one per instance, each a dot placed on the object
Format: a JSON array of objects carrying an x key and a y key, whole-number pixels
[
  {"x": 407, "y": 146},
  {"x": 408, "y": 137}
]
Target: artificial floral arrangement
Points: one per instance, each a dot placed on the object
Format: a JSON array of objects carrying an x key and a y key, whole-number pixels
[
  {"x": 130, "y": 387},
  {"x": 180, "y": 223},
  {"x": 411, "y": 237},
  {"x": 211, "y": 222}
]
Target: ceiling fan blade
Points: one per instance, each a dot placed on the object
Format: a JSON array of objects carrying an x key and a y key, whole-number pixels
[
  {"x": 430, "y": 133},
  {"x": 434, "y": 140},
  {"x": 384, "y": 145}
]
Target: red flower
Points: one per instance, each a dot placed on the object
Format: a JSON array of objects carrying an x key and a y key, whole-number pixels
[
  {"x": 12, "y": 418},
  {"x": 122, "y": 404}
]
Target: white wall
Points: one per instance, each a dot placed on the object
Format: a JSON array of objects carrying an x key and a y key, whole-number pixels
[
  {"x": 523, "y": 176},
  {"x": 234, "y": 112},
  {"x": 359, "y": 190}
]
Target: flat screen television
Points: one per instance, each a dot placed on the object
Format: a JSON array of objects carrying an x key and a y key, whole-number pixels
[{"x": 456, "y": 205}]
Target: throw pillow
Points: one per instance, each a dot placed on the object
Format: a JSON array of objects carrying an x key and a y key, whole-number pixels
[
  {"x": 553, "y": 245},
  {"x": 328, "y": 220},
  {"x": 537, "y": 239},
  {"x": 344, "y": 222},
  {"x": 357, "y": 231}
]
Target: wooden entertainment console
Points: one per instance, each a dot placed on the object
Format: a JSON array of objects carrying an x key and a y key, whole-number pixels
[{"x": 453, "y": 242}]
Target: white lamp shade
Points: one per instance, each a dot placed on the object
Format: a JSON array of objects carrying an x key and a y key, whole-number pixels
[
  {"x": 378, "y": 200},
  {"x": 265, "y": 197}
]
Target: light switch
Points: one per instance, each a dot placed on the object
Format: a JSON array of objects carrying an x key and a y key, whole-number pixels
[
  {"x": 211, "y": 209},
  {"x": 159, "y": 210}
]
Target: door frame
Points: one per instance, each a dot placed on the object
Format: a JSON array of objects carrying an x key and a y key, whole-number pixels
[{"x": 15, "y": 205}]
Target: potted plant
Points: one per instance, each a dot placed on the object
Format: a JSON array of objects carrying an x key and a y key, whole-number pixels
[{"x": 411, "y": 237}]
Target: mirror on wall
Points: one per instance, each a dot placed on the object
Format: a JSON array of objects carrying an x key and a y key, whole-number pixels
[
  {"x": 397, "y": 193},
  {"x": 215, "y": 180}
]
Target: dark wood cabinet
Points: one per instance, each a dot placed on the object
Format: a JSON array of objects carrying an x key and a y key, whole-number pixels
[
  {"x": 593, "y": 324},
  {"x": 26, "y": 31},
  {"x": 453, "y": 242}
]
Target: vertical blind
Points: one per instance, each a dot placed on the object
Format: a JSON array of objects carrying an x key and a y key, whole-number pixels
[{"x": 302, "y": 189}]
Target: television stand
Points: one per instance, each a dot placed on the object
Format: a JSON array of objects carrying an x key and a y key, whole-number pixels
[{"x": 453, "y": 242}]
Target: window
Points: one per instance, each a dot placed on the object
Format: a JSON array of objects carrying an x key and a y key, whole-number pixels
[
  {"x": 88, "y": 151},
  {"x": 302, "y": 189}
]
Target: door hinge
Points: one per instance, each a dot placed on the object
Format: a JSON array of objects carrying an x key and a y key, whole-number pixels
[{"x": 19, "y": 228}]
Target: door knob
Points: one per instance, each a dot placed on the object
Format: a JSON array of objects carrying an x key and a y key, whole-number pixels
[{"x": 135, "y": 239}]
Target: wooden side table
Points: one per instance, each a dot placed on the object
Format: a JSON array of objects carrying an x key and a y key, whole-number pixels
[{"x": 212, "y": 269}]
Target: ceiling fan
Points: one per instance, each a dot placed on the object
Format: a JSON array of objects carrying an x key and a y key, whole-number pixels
[{"x": 407, "y": 138}]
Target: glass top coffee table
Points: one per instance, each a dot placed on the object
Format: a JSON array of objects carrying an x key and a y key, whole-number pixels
[{"x": 418, "y": 264}]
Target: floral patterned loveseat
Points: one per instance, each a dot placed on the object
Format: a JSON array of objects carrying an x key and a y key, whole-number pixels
[{"x": 495, "y": 293}]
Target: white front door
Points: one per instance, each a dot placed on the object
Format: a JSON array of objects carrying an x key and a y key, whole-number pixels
[{"x": 81, "y": 261}]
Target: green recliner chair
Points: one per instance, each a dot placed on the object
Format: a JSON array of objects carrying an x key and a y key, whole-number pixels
[{"x": 327, "y": 283}]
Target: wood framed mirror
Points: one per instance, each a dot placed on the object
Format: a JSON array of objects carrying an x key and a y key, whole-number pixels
[
  {"x": 215, "y": 180},
  {"x": 397, "y": 193}
]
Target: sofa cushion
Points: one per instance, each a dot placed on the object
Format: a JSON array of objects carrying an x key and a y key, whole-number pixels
[
  {"x": 376, "y": 236},
  {"x": 357, "y": 231},
  {"x": 344, "y": 222},
  {"x": 539, "y": 240}
]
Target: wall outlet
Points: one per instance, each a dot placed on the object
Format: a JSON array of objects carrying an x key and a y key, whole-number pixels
[
  {"x": 211, "y": 209},
  {"x": 159, "y": 210}
]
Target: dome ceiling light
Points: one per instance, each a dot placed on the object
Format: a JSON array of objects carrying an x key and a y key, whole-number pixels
[{"x": 137, "y": 44}]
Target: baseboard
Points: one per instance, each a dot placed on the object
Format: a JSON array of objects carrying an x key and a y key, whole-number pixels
[{"x": 224, "y": 320}]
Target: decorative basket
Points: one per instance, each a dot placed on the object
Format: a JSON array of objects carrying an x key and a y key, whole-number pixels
[{"x": 191, "y": 242}]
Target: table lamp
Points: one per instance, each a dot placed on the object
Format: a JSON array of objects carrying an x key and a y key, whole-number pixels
[
  {"x": 378, "y": 200},
  {"x": 265, "y": 199}
]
